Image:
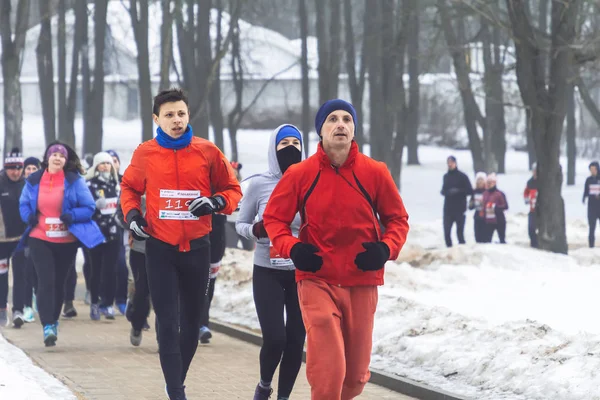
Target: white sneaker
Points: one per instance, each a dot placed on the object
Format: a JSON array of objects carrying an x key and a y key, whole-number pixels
[
  {"x": 18, "y": 319},
  {"x": 28, "y": 315}
]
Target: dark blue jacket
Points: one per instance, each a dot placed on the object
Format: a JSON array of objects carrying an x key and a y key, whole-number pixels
[{"x": 77, "y": 201}]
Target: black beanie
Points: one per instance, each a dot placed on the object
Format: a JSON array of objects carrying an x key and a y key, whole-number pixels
[{"x": 32, "y": 161}]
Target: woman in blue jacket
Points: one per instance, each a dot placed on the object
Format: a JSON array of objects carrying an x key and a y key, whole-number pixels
[{"x": 57, "y": 207}]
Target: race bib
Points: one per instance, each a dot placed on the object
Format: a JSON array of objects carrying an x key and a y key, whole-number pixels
[
  {"x": 111, "y": 206},
  {"x": 277, "y": 261},
  {"x": 174, "y": 204},
  {"x": 55, "y": 228},
  {"x": 533, "y": 201},
  {"x": 478, "y": 200},
  {"x": 490, "y": 211},
  {"x": 594, "y": 189},
  {"x": 4, "y": 266}
]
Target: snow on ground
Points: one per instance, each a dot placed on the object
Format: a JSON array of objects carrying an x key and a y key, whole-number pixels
[
  {"x": 485, "y": 321},
  {"x": 20, "y": 379}
]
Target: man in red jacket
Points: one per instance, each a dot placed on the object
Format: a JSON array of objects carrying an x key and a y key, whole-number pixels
[
  {"x": 340, "y": 254},
  {"x": 185, "y": 179}
]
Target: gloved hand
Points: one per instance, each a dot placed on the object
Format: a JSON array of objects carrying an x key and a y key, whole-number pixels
[
  {"x": 201, "y": 206},
  {"x": 67, "y": 218},
  {"x": 374, "y": 258},
  {"x": 137, "y": 224},
  {"x": 101, "y": 203},
  {"x": 259, "y": 231},
  {"x": 304, "y": 257},
  {"x": 32, "y": 220}
]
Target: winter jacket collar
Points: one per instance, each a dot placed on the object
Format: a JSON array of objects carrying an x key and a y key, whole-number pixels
[
  {"x": 36, "y": 177},
  {"x": 349, "y": 163}
]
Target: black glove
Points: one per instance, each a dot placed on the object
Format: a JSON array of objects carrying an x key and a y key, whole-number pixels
[
  {"x": 374, "y": 257},
  {"x": 67, "y": 218},
  {"x": 137, "y": 223},
  {"x": 259, "y": 231},
  {"x": 201, "y": 206},
  {"x": 304, "y": 257},
  {"x": 32, "y": 220}
]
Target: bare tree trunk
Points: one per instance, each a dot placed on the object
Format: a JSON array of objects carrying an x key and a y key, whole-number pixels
[
  {"x": 355, "y": 83},
  {"x": 86, "y": 81},
  {"x": 335, "y": 47},
  {"x": 166, "y": 45},
  {"x": 571, "y": 135},
  {"x": 63, "y": 130},
  {"x": 547, "y": 104},
  {"x": 388, "y": 81},
  {"x": 488, "y": 76},
  {"x": 12, "y": 50},
  {"x": 187, "y": 44},
  {"x": 322, "y": 50},
  {"x": 530, "y": 142},
  {"x": 139, "y": 21},
  {"x": 216, "y": 114},
  {"x": 497, "y": 92},
  {"x": 375, "y": 57},
  {"x": 587, "y": 99},
  {"x": 305, "y": 125},
  {"x": 200, "y": 117},
  {"x": 543, "y": 6},
  {"x": 92, "y": 143},
  {"x": 46, "y": 72},
  {"x": 401, "y": 111},
  {"x": 472, "y": 114},
  {"x": 237, "y": 76},
  {"x": 412, "y": 116},
  {"x": 78, "y": 42}
]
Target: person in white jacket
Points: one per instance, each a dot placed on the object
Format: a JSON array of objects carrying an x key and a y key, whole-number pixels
[{"x": 273, "y": 281}]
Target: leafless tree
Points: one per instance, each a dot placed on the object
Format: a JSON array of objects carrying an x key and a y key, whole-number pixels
[
  {"x": 138, "y": 12},
  {"x": 305, "y": 125},
  {"x": 166, "y": 44},
  {"x": 45, "y": 68},
  {"x": 92, "y": 140},
  {"x": 12, "y": 52},
  {"x": 545, "y": 98},
  {"x": 329, "y": 47}
]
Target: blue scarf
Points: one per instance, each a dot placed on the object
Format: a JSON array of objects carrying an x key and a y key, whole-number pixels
[{"x": 168, "y": 142}]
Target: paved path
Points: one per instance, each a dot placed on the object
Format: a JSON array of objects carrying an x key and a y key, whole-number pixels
[{"x": 97, "y": 362}]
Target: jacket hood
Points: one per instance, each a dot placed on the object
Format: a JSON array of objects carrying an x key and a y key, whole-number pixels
[
  {"x": 274, "y": 168},
  {"x": 99, "y": 158}
]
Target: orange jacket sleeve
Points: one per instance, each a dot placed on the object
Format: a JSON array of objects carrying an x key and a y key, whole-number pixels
[
  {"x": 224, "y": 183},
  {"x": 393, "y": 215},
  {"x": 281, "y": 211},
  {"x": 133, "y": 185}
]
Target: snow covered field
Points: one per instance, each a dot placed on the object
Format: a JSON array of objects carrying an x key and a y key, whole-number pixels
[{"x": 485, "y": 321}]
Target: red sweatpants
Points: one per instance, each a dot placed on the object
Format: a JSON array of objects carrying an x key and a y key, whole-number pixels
[{"x": 339, "y": 329}]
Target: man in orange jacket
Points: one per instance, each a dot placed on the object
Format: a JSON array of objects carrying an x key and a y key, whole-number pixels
[
  {"x": 340, "y": 253},
  {"x": 185, "y": 179}
]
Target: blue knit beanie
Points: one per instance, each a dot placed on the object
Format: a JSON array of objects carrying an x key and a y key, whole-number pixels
[
  {"x": 287, "y": 131},
  {"x": 330, "y": 106},
  {"x": 113, "y": 154}
]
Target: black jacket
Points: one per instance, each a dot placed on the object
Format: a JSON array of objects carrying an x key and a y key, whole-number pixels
[
  {"x": 455, "y": 189},
  {"x": 592, "y": 185},
  {"x": 106, "y": 218},
  {"x": 11, "y": 225}
]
